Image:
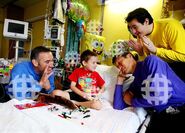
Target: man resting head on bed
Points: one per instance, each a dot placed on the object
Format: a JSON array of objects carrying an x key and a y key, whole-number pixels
[
  {"x": 155, "y": 84},
  {"x": 155, "y": 87}
]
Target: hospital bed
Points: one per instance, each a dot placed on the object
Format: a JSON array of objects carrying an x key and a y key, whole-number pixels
[{"x": 50, "y": 118}]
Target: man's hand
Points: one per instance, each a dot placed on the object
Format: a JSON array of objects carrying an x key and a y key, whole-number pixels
[
  {"x": 136, "y": 45},
  {"x": 44, "y": 82},
  {"x": 121, "y": 76},
  {"x": 148, "y": 44}
]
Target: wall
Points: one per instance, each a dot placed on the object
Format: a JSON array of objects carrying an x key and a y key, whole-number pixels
[
  {"x": 35, "y": 14},
  {"x": 1, "y": 29},
  {"x": 12, "y": 12}
]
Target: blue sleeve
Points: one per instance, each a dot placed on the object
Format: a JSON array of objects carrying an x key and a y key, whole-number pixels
[
  {"x": 118, "y": 102},
  {"x": 156, "y": 88}
]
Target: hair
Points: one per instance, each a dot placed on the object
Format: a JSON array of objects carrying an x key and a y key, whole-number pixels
[
  {"x": 124, "y": 55},
  {"x": 140, "y": 14},
  {"x": 85, "y": 56},
  {"x": 37, "y": 50}
]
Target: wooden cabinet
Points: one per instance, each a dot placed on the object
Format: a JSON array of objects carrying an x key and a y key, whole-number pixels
[{"x": 176, "y": 5}]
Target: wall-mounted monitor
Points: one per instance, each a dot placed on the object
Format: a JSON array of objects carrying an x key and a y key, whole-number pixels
[{"x": 15, "y": 29}]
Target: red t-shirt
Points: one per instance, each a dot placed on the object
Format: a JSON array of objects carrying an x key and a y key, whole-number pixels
[{"x": 86, "y": 79}]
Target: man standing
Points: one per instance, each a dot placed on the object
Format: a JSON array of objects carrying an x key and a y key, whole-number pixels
[{"x": 164, "y": 38}]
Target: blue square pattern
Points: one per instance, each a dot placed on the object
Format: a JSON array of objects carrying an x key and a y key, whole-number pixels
[
  {"x": 19, "y": 84},
  {"x": 19, "y": 94},
  {"x": 28, "y": 84}
]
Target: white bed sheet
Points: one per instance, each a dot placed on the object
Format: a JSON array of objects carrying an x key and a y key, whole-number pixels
[{"x": 41, "y": 120}]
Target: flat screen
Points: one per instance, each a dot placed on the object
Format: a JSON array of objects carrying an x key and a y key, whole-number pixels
[{"x": 16, "y": 28}]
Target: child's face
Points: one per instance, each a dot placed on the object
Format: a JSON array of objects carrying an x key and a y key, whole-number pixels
[{"x": 91, "y": 64}]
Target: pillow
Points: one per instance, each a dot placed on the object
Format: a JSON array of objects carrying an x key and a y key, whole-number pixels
[{"x": 109, "y": 74}]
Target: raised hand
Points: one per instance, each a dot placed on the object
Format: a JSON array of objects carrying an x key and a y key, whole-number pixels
[
  {"x": 148, "y": 44},
  {"x": 136, "y": 45},
  {"x": 44, "y": 82},
  {"x": 121, "y": 77}
]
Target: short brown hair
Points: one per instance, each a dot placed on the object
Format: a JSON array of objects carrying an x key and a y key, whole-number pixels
[{"x": 85, "y": 56}]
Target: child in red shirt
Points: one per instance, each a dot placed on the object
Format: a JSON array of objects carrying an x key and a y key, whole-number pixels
[{"x": 86, "y": 83}]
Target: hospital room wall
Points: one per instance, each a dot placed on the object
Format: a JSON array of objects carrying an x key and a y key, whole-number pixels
[
  {"x": 3, "y": 41},
  {"x": 1, "y": 28},
  {"x": 36, "y": 15}
]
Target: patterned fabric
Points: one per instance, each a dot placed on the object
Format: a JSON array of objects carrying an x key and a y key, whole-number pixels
[
  {"x": 87, "y": 81},
  {"x": 156, "y": 85}
]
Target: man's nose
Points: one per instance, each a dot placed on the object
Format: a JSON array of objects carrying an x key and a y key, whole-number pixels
[
  {"x": 51, "y": 63},
  {"x": 134, "y": 31}
]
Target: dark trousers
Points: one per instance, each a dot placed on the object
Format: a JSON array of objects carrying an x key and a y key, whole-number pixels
[
  {"x": 167, "y": 123},
  {"x": 178, "y": 68},
  {"x": 3, "y": 95}
]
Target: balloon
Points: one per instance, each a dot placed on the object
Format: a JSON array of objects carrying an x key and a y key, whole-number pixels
[
  {"x": 80, "y": 25},
  {"x": 78, "y": 10}
]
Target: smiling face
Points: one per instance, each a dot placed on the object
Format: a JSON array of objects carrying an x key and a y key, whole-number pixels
[{"x": 138, "y": 29}]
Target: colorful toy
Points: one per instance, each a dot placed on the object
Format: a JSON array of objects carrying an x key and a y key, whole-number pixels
[
  {"x": 119, "y": 47},
  {"x": 5, "y": 69},
  {"x": 72, "y": 58},
  {"x": 96, "y": 44},
  {"x": 94, "y": 27}
]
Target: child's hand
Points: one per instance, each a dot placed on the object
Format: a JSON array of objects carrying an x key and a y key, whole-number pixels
[{"x": 87, "y": 96}]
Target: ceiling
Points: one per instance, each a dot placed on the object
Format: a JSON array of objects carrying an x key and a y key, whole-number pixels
[{"x": 21, "y": 3}]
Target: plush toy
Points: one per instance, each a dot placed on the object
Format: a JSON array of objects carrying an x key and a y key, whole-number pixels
[
  {"x": 95, "y": 43},
  {"x": 72, "y": 58}
]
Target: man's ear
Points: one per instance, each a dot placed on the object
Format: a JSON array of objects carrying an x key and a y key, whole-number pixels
[
  {"x": 146, "y": 21},
  {"x": 35, "y": 62}
]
